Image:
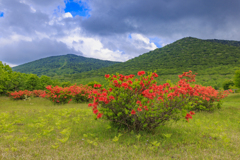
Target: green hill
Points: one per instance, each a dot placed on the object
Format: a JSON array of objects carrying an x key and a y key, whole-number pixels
[
  {"x": 61, "y": 65},
  {"x": 216, "y": 59},
  {"x": 185, "y": 54}
]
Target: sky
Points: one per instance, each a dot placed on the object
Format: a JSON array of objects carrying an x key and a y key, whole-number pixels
[{"x": 108, "y": 29}]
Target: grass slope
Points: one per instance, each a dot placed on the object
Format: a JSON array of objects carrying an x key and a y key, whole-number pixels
[
  {"x": 61, "y": 65},
  {"x": 37, "y": 129}
]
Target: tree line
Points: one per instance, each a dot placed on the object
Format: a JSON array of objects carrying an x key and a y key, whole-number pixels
[{"x": 15, "y": 81}]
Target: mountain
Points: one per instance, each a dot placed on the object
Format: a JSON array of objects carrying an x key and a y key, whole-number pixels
[
  {"x": 61, "y": 65},
  {"x": 202, "y": 56},
  {"x": 213, "y": 60}
]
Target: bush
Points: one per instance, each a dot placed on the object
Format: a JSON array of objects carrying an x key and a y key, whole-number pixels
[
  {"x": 94, "y": 84},
  {"x": 58, "y": 95},
  {"x": 20, "y": 95},
  {"x": 227, "y": 84},
  {"x": 138, "y": 104},
  {"x": 81, "y": 93},
  {"x": 142, "y": 105},
  {"x": 38, "y": 93}
]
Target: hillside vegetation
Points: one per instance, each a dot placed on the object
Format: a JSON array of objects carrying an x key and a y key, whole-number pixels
[
  {"x": 61, "y": 65},
  {"x": 213, "y": 60}
]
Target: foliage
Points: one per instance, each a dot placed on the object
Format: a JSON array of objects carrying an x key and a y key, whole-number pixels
[
  {"x": 237, "y": 78},
  {"x": 81, "y": 93},
  {"x": 20, "y": 95},
  {"x": 15, "y": 81},
  {"x": 209, "y": 58},
  {"x": 33, "y": 82},
  {"x": 201, "y": 56},
  {"x": 58, "y": 95},
  {"x": 62, "y": 65},
  {"x": 63, "y": 95},
  {"x": 93, "y": 84},
  {"x": 38, "y": 93},
  {"x": 142, "y": 105},
  {"x": 227, "y": 84},
  {"x": 5, "y": 78}
]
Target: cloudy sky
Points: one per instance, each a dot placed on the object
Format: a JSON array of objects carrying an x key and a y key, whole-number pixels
[{"x": 108, "y": 29}]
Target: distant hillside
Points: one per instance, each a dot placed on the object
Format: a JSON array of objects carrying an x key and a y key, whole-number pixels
[
  {"x": 226, "y": 42},
  {"x": 61, "y": 65},
  {"x": 202, "y": 56},
  {"x": 214, "y": 61}
]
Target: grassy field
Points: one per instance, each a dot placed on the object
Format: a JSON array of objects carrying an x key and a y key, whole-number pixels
[{"x": 37, "y": 129}]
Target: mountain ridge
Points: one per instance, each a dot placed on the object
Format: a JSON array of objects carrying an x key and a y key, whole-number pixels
[{"x": 63, "y": 64}]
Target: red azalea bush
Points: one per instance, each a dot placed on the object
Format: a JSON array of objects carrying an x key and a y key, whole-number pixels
[
  {"x": 38, "y": 93},
  {"x": 206, "y": 98},
  {"x": 20, "y": 95},
  {"x": 138, "y": 104},
  {"x": 81, "y": 93},
  {"x": 58, "y": 95}
]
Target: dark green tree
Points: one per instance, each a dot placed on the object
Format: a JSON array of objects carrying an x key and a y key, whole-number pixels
[{"x": 236, "y": 79}]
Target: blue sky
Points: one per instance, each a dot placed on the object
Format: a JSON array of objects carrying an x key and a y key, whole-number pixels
[
  {"x": 1, "y": 14},
  {"x": 108, "y": 29},
  {"x": 77, "y": 8}
]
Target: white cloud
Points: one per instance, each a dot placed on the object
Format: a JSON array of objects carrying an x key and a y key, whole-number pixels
[
  {"x": 11, "y": 65},
  {"x": 67, "y": 15},
  {"x": 141, "y": 41},
  {"x": 91, "y": 46}
]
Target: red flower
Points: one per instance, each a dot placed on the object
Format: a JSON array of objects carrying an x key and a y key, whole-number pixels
[
  {"x": 155, "y": 75},
  {"x": 99, "y": 115},
  {"x": 191, "y": 112},
  {"x": 141, "y": 73},
  {"x": 133, "y": 112},
  {"x": 97, "y": 85},
  {"x": 139, "y": 109},
  {"x": 188, "y": 116},
  {"x": 90, "y": 104},
  {"x": 129, "y": 81},
  {"x": 145, "y": 107},
  {"x": 111, "y": 97},
  {"x": 138, "y": 102},
  {"x": 125, "y": 85},
  {"x": 95, "y": 111},
  {"x": 107, "y": 75}
]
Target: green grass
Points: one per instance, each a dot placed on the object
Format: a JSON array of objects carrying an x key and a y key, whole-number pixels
[{"x": 37, "y": 129}]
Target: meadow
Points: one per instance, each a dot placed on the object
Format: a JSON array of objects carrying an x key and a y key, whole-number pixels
[{"x": 38, "y": 129}]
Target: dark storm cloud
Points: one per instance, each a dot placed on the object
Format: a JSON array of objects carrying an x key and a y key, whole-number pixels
[
  {"x": 167, "y": 18},
  {"x": 26, "y": 51},
  {"x": 45, "y": 3},
  {"x": 19, "y": 18}
]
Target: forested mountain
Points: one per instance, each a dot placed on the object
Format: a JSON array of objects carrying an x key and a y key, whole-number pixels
[
  {"x": 61, "y": 65},
  {"x": 214, "y": 61},
  {"x": 202, "y": 56}
]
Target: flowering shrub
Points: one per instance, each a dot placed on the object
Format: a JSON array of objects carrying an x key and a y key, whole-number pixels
[
  {"x": 138, "y": 104},
  {"x": 58, "y": 95},
  {"x": 81, "y": 93},
  {"x": 206, "y": 98},
  {"x": 20, "y": 95},
  {"x": 38, "y": 93}
]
